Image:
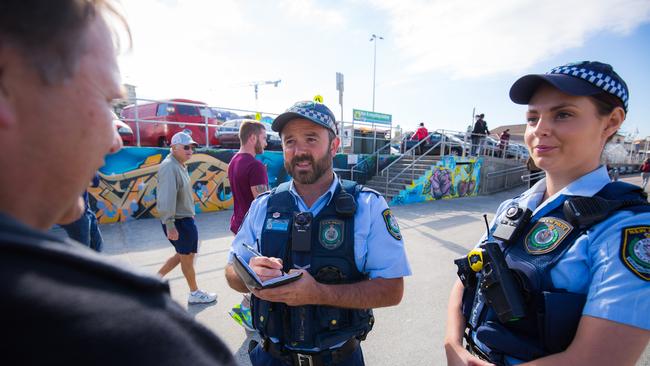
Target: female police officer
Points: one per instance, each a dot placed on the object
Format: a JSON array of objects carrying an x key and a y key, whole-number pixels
[{"x": 581, "y": 265}]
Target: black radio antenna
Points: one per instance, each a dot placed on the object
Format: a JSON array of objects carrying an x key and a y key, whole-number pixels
[{"x": 487, "y": 226}]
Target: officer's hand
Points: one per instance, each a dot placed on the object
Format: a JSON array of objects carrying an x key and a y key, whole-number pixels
[
  {"x": 172, "y": 234},
  {"x": 457, "y": 355},
  {"x": 304, "y": 291},
  {"x": 266, "y": 267}
]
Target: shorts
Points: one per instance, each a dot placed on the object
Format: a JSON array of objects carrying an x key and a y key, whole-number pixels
[{"x": 188, "y": 236}]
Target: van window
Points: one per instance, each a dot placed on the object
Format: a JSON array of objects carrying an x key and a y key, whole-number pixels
[
  {"x": 162, "y": 110},
  {"x": 206, "y": 112},
  {"x": 187, "y": 110}
]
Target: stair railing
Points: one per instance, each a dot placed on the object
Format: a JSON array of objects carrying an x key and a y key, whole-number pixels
[
  {"x": 367, "y": 158},
  {"x": 410, "y": 152}
]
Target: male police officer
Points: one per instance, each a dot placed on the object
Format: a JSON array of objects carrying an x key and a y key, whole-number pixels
[{"x": 341, "y": 236}]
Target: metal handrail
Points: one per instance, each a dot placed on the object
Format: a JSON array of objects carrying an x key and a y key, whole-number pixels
[
  {"x": 506, "y": 171},
  {"x": 529, "y": 177},
  {"x": 207, "y": 125},
  {"x": 368, "y": 157},
  {"x": 412, "y": 153},
  {"x": 407, "y": 152},
  {"x": 412, "y": 164}
]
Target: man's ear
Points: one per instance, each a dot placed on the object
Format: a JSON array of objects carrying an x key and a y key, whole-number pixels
[{"x": 334, "y": 147}]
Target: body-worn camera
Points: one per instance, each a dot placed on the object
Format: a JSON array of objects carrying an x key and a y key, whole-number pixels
[
  {"x": 511, "y": 224},
  {"x": 497, "y": 281},
  {"x": 301, "y": 231}
]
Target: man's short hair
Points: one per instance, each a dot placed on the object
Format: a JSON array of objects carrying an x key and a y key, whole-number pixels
[
  {"x": 50, "y": 34},
  {"x": 248, "y": 129}
]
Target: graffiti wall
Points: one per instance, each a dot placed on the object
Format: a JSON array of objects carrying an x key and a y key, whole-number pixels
[
  {"x": 128, "y": 181},
  {"x": 451, "y": 177}
]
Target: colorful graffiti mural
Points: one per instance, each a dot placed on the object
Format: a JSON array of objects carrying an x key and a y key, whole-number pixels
[
  {"x": 451, "y": 177},
  {"x": 128, "y": 181}
]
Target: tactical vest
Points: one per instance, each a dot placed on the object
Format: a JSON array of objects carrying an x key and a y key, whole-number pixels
[
  {"x": 331, "y": 259},
  {"x": 552, "y": 314}
]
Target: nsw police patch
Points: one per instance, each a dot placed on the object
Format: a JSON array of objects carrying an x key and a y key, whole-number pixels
[
  {"x": 330, "y": 234},
  {"x": 546, "y": 235},
  {"x": 635, "y": 250},
  {"x": 391, "y": 224}
]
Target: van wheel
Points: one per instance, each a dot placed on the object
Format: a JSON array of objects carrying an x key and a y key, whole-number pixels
[{"x": 162, "y": 142}]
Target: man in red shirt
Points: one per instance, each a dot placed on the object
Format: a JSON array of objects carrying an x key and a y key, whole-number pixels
[
  {"x": 248, "y": 178},
  {"x": 246, "y": 174},
  {"x": 421, "y": 134}
]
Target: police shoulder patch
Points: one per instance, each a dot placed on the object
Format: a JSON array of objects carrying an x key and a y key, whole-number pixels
[
  {"x": 635, "y": 250},
  {"x": 391, "y": 224}
]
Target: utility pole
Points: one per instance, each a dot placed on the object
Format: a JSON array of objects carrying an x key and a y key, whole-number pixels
[
  {"x": 374, "y": 39},
  {"x": 256, "y": 85}
]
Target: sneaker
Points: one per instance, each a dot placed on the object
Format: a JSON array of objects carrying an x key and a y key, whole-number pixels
[
  {"x": 242, "y": 315},
  {"x": 200, "y": 297}
]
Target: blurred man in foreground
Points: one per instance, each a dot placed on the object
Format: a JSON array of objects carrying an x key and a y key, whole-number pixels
[{"x": 62, "y": 303}]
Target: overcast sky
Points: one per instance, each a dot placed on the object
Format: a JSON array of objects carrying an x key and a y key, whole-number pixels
[{"x": 438, "y": 60}]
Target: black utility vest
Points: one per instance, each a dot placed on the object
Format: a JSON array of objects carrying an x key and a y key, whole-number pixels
[
  {"x": 552, "y": 314},
  {"x": 331, "y": 260}
]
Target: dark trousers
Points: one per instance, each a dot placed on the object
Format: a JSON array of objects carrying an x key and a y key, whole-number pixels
[
  {"x": 260, "y": 358},
  {"x": 86, "y": 231}
]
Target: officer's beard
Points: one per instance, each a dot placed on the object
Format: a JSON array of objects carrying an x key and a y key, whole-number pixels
[{"x": 318, "y": 168}]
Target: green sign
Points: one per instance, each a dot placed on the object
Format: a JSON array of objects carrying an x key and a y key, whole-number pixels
[{"x": 372, "y": 117}]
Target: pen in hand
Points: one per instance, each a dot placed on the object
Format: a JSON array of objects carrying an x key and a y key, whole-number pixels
[{"x": 252, "y": 250}]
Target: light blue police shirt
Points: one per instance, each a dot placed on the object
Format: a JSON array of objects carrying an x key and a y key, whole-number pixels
[
  {"x": 376, "y": 252},
  {"x": 592, "y": 265}
]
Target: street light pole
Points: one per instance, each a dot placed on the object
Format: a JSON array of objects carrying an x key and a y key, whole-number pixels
[{"x": 374, "y": 38}]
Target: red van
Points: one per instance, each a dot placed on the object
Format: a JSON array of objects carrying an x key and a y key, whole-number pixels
[{"x": 158, "y": 133}]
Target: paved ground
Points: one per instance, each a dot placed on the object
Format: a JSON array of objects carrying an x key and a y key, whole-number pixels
[{"x": 410, "y": 334}]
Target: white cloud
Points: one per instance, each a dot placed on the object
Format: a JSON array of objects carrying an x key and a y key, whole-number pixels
[
  {"x": 476, "y": 38},
  {"x": 176, "y": 42},
  {"x": 309, "y": 12}
]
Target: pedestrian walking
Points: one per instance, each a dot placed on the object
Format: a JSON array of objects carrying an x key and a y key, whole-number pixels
[
  {"x": 645, "y": 172},
  {"x": 175, "y": 204}
]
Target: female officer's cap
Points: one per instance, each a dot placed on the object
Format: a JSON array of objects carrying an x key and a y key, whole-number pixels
[
  {"x": 312, "y": 111},
  {"x": 584, "y": 78}
]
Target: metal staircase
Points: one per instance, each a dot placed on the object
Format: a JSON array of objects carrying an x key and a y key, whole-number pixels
[{"x": 398, "y": 177}]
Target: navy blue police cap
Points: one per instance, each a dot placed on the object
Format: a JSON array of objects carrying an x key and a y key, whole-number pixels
[
  {"x": 312, "y": 111},
  {"x": 584, "y": 78}
]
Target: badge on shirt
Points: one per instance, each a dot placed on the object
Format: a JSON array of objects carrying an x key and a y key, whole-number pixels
[
  {"x": 635, "y": 250},
  {"x": 277, "y": 224},
  {"x": 546, "y": 235},
  {"x": 391, "y": 224},
  {"x": 331, "y": 233}
]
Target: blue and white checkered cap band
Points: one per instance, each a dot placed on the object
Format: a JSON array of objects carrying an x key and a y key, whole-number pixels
[
  {"x": 324, "y": 118},
  {"x": 598, "y": 79}
]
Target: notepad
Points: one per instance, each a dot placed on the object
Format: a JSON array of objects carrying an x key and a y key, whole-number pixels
[{"x": 252, "y": 281}]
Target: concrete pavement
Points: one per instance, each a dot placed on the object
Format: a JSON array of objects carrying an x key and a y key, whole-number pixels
[{"x": 412, "y": 333}]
